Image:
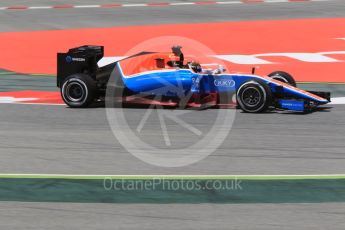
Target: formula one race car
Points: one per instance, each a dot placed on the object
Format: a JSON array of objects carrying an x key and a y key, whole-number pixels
[{"x": 171, "y": 79}]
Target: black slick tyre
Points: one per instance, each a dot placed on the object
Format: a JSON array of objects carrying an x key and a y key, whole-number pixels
[
  {"x": 283, "y": 77},
  {"x": 78, "y": 91},
  {"x": 254, "y": 96}
]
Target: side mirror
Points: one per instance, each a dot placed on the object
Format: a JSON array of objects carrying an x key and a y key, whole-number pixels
[{"x": 254, "y": 69}]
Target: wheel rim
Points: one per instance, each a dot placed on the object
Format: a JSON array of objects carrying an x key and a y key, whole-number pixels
[
  {"x": 251, "y": 97},
  {"x": 74, "y": 92}
]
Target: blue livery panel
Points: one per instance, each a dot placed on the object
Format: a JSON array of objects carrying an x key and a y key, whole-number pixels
[
  {"x": 293, "y": 105},
  {"x": 178, "y": 82}
]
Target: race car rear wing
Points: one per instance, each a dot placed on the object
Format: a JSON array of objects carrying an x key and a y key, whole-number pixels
[{"x": 81, "y": 59}]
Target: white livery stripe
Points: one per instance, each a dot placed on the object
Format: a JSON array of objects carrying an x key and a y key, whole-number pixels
[{"x": 108, "y": 60}]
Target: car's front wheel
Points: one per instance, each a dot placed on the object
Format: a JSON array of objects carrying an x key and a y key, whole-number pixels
[
  {"x": 254, "y": 96},
  {"x": 78, "y": 90},
  {"x": 283, "y": 77}
]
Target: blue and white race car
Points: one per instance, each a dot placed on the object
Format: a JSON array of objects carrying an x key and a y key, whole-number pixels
[{"x": 171, "y": 79}]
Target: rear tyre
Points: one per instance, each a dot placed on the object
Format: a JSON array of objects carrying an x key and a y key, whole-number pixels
[
  {"x": 283, "y": 77},
  {"x": 254, "y": 96},
  {"x": 78, "y": 91}
]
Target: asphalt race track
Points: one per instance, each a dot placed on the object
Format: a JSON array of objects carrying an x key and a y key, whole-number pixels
[
  {"x": 103, "y": 17},
  {"x": 45, "y": 124},
  {"x": 69, "y": 141},
  {"x": 204, "y": 216},
  {"x": 53, "y": 139}
]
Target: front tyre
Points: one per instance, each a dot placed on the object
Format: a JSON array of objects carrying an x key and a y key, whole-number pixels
[
  {"x": 78, "y": 91},
  {"x": 254, "y": 96},
  {"x": 283, "y": 77}
]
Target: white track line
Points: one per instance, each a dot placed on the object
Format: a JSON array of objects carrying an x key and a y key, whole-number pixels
[
  {"x": 133, "y": 5},
  {"x": 182, "y": 3},
  {"x": 335, "y": 101},
  {"x": 88, "y": 6},
  {"x": 39, "y": 7},
  {"x": 233, "y": 2},
  {"x": 276, "y": 1},
  {"x": 162, "y": 4},
  {"x": 338, "y": 101}
]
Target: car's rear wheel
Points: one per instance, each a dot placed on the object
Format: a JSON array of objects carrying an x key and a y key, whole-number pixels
[
  {"x": 78, "y": 91},
  {"x": 254, "y": 96},
  {"x": 283, "y": 77}
]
